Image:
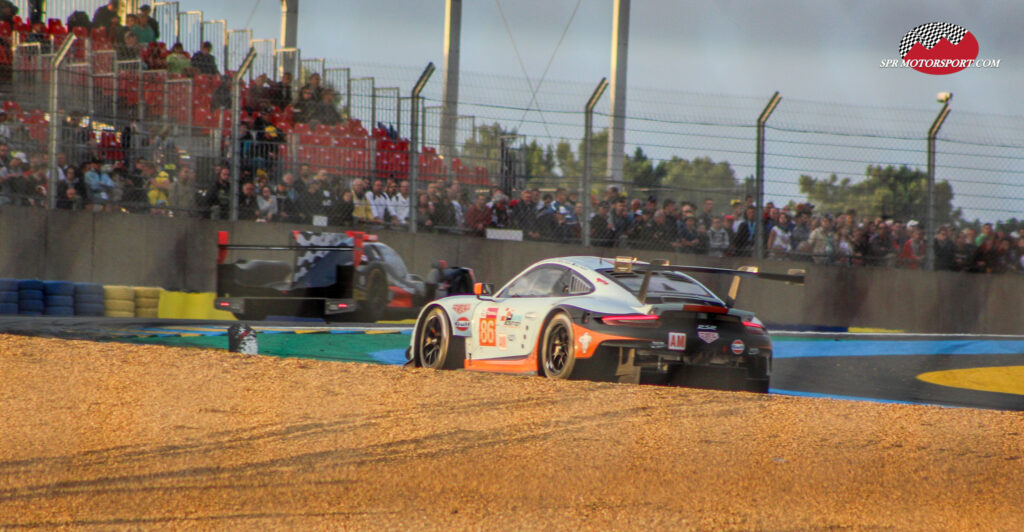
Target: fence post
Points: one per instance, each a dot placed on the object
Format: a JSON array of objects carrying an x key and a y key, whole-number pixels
[
  {"x": 414, "y": 160},
  {"x": 236, "y": 115},
  {"x": 929, "y": 239},
  {"x": 55, "y": 64},
  {"x": 759, "y": 195},
  {"x": 588, "y": 123}
]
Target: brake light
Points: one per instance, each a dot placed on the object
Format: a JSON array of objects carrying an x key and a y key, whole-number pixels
[
  {"x": 712, "y": 309},
  {"x": 224, "y": 304},
  {"x": 754, "y": 328},
  {"x": 636, "y": 320}
]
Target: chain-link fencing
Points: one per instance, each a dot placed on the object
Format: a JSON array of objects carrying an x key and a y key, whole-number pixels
[{"x": 843, "y": 184}]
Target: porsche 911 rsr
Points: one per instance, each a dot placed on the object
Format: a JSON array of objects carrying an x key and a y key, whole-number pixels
[{"x": 601, "y": 319}]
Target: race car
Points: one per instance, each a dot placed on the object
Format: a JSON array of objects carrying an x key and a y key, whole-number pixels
[
  {"x": 603, "y": 319},
  {"x": 335, "y": 276}
]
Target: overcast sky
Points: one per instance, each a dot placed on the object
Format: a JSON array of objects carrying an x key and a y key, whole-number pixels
[{"x": 822, "y": 50}]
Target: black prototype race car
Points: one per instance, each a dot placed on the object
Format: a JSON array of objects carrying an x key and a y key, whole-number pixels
[{"x": 335, "y": 276}]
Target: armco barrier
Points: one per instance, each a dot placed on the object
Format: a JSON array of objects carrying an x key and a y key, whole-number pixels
[{"x": 180, "y": 254}]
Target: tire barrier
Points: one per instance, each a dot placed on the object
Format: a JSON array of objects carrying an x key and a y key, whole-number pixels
[
  {"x": 59, "y": 298},
  {"x": 119, "y": 301},
  {"x": 147, "y": 301},
  {"x": 30, "y": 297},
  {"x": 89, "y": 299},
  {"x": 8, "y": 296}
]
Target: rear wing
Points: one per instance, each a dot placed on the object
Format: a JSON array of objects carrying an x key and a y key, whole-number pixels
[
  {"x": 358, "y": 238},
  {"x": 793, "y": 276}
]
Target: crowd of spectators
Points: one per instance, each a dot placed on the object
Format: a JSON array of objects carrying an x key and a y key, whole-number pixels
[{"x": 150, "y": 175}]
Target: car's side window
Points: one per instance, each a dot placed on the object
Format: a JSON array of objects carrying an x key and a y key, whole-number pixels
[
  {"x": 540, "y": 282},
  {"x": 579, "y": 286}
]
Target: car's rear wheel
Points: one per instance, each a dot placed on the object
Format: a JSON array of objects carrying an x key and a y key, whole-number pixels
[
  {"x": 557, "y": 348},
  {"x": 372, "y": 308},
  {"x": 433, "y": 341}
]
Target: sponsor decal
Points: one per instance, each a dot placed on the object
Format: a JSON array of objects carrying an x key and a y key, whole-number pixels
[
  {"x": 461, "y": 308},
  {"x": 677, "y": 341},
  {"x": 939, "y": 48},
  {"x": 737, "y": 347},
  {"x": 462, "y": 324},
  {"x": 502, "y": 342},
  {"x": 708, "y": 333},
  {"x": 488, "y": 324},
  {"x": 585, "y": 342},
  {"x": 510, "y": 319},
  {"x": 601, "y": 281}
]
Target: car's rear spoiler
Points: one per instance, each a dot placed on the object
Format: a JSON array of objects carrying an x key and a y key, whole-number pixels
[
  {"x": 793, "y": 276},
  {"x": 358, "y": 238}
]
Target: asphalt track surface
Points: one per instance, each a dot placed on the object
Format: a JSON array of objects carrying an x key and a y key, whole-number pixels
[{"x": 950, "y": 370}]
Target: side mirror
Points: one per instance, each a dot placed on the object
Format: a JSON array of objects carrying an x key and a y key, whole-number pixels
[{"x": 483, "y": 289}]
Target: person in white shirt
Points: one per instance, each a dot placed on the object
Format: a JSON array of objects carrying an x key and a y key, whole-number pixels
[
  {"x": 398, "y": 202},
  {"x": 378, "y": 201}
]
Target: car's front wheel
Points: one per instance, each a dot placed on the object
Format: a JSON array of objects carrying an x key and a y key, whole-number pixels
[
  {"x": 557, "y": 349},
  {"x": 433, "y": 339}
]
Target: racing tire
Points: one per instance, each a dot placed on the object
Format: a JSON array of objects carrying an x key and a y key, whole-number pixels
[
  {"x": 30, "y": 295},
  {"x": 557, "y": 356},
  {"x": 8, "y": 285},
  {"x": 59, "y": 311},
  {"x": 8, "y": 308},
  {"x": 89, "y": 299},
  {"x": 434, "y": 343},
  {"x": 89, "y": 289},
  {"x": 9, "y": 296},
  {"x": 31, "y": 284},
  {"x": 31, "y": 305},
  {"x": 59, "y": 288},
  {"x": 120, "y": 305},
  {"x": 89, "y": 309},
  {"x": 372, "y": 308},
  {"x": 59, "y": 301},
  {"x": 119, "y": 292}
]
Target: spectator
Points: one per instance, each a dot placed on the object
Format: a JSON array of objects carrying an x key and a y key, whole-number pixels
[
  {"x": 780, "y": 238},
  {"x": 881, "y": 246},
  {"x": 602, "y": 232},
  {"x": 267, "y": 205},
  {"x": 129, "y": 49},
  {"x": 313, "y": 85},
  {"x": 100, "y": 186},
  {"x": 664, "y": 234},
  {"x": 326, "y": 112},
  {"x": 177, "y": 60},
  {"x": 424, "y": 216},
  {"x": 248, "y": 202},
  {"x": 562, "y": 229},
  {"x": 913, "y": 252},
  {"x": 281, "y": 92},
  {"x": 478, "y": 217},
  {"x": 362, "y": 211},
  {"x": 398, "y": 203},
  {"x": 743, "y": 239},
  {"x": 141, "y": 29},
  {"x": 689, "y": 239},
  {"x": 622, "y": 222},
  {"x": 718, "y": 238},
  {"x": 204, "y": 62},
  {"x": 146, "y": 20},
  {"x": 707, "y": 215},
  {"x": 378, "y": 200},
  {"x": 304, "y": 110},
  {"x": 105, "y": 14},
  {"x": 184, "y": 195},
  {"x": 158, "y": 188},
  {"x": 823, "y": 241},
  {"x": 443, "y": 212},
  {"x": 501, "y": 217},
  {"x": 944, "y": 249}
]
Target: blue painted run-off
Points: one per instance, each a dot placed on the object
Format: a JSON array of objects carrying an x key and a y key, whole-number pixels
[{"x": 854, "y": 348}]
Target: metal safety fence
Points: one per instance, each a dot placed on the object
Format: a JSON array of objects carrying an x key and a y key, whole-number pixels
[{"x": 341, "y": 144}]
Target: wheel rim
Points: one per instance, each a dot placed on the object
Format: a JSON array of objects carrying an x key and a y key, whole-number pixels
[
  {"x": 432, "y": 339},
  {"x": 557, "y": 350}
]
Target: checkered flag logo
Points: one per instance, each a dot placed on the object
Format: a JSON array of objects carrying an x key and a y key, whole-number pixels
[{"x": 930, "y": 34}]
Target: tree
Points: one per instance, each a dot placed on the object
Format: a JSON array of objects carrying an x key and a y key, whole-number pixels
[
  {"x": 540, "y": 162},
  {"x": 900, "y": 193},
  {"x": 571, "y": 165},
  {"x": 642, "y": 171},
  {"x": 484, "y": 148}
]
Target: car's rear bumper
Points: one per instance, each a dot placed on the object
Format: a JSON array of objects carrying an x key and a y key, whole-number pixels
[{"x": 287, "y": 306}]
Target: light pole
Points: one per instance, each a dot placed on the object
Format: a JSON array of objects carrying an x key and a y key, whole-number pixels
[
  {"x": 929, "y": 239},
  {"x": 759, "y": 195}
]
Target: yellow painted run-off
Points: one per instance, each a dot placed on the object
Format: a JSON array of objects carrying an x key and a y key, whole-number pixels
[{"x": 1006, "y": 379}]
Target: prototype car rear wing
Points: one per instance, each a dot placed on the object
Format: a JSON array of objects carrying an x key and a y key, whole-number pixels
[{"x": 358, "y": 238}]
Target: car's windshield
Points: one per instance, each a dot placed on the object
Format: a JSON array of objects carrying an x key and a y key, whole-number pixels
[{"x": 663, "y": 284}]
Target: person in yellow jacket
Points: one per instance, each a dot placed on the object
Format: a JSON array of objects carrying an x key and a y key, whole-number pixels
[
  {"x": 362, "y": 211},
  {"x": 159, "y": 186}
]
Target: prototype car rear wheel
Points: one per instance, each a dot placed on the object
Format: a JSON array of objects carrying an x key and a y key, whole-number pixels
[
  {"x": 372, "y": 308},
  {"x": 433, "y": 339},
  {"x": 557, "y": 348}
]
